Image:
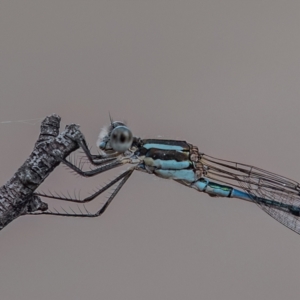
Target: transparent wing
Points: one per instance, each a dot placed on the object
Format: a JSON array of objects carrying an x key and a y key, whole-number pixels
[{"x": 259, "y": 183}]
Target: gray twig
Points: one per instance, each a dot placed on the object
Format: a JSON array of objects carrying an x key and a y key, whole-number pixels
[{"x": 17, "y": 195}]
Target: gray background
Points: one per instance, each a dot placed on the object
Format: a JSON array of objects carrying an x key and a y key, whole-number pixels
[{"x": 223, "y": 75}]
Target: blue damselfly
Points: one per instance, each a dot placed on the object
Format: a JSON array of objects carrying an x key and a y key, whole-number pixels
[{"x": 178, "y": 160}]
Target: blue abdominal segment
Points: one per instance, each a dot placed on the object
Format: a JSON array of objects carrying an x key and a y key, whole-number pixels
[
  {"x": 242, "y": 195},
  {"x": 212, "y": 188},
  {"x": 219, "y": 190}
]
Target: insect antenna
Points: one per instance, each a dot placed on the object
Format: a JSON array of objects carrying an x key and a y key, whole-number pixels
[{"x": 111, "y": 119}]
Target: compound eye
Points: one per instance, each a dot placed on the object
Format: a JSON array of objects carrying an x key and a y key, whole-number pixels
[{"x": 121, "y": 139}]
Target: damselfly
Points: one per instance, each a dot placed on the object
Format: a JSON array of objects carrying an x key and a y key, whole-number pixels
[{"x": 178, "y": 160}]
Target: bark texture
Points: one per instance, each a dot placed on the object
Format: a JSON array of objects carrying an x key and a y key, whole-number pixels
[{"x": 17, "y": 195}]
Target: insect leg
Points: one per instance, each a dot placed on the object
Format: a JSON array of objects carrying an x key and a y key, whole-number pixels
[
  {"x": 89, "y": 198},
  {"x": 96, "y": 159},
  {"x": 97, "y": 171},
  {"x": 102, "y": 209}
]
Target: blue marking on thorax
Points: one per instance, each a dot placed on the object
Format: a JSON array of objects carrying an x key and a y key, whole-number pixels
[
  {"x": 186, "y": 175},
  {"x": 171, "y": 164},
  {"x": 163, "y": 147}
]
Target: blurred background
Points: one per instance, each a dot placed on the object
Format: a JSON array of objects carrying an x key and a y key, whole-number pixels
[{"x": 223, "y": 75}]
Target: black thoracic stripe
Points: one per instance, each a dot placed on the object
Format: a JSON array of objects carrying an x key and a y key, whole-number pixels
[
  {"x": 184, "y": 145},
  {"x": 166, "y": 154}
]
